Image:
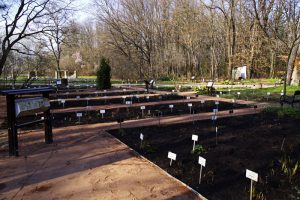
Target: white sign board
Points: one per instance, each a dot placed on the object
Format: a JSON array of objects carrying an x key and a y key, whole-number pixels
[
  {"x": 58, "y": 82},
  {"x": 217, "y": 103},
  {"x": 29, "y": 106},
  {"x": 79, "y": 114},
  {"x": 210, "y": 84},
  {"x": 195, "y": 137},
  {"x": 251, "y": 175},
  {"x": 102, "y": 111},
  {"x": 143, "y": 107},
  {"x": 171, "y": 106},
  {"x": 202, "y": 161},
  {"x": 190, "y": 105},
  {"x": 128, "y": 102},
  {"x": 171, "y": 155}
]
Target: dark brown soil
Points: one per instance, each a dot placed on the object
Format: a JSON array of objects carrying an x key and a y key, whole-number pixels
[
  {"x": 246, "y": 142},
  {"x": 97, "y": 102},
  {"x": 111, "y": 115}
]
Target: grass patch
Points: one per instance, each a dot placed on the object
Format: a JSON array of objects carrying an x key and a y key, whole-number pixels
[{"x": 283, "y": 112}]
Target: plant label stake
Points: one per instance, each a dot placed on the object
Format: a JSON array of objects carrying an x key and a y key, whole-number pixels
[
  {"x": 142, "y": 138},
  {"x": 102, "y": 112},
  {"x": 217, "y": 104},
  {"x": 171, "y": 107},
  {"x": 194, "y": 138},
  {"x": 77, "y": 97},
  {"x": 229, "y": 91},
  {"x": 202, "y": 162},
  {"x": 214, "y": 119},
  {"x": 217, "y": 96},
  {"x": 172, "y": 156},
  {"x": 221, "y": 93},
  {"x": 268, "y": 95},
  {"x": 63, "y": 101},
  {"x": 79, "y": 115},
  {"x": 87, "y": 101},
  {"x": 173, "y": 91},
  {"x": 147, "y": 97},
  {"x": 238, "y": 93},
  {"x": 216, "y": 135},
  {"x": 143, "y": 108},
  {"x": 138, "y": 98},
  {"x": 190, "y": 106},
  {"x": 253, "y": 176},
  {"x": 215, "y": 111},
  {"x": 124, "y": 99},
  {"x": 188, "y": 97}
]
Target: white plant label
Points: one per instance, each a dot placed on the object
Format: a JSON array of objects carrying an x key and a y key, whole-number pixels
[
  {"x": 215, "y": 110},
  {"x": 238, "y": 93},
  {"x": 269, "y": 93},
  {"x": 171, "y": 155},
  {"x": 217, "y": 103},
  {"x": 251, "y": 175},
  {"x": 217, "y": 96},
  {"x": 190, "y": 105},
  {"x": 141, "y": 136},
  {"x": 173, "y": 91},
  {"x": 147, "y": 97},
  {"x": 42, "y": 118},
  {"x": 128, "y": 102},
  {"x": 171, "y": 106},
  {"x": 143, "y": 107},
  {"x": 233, "y": 100},
  {"x": 124, "y": 90},
  {"x": 202, "y": 101},
  {"x": 58, "y": 82},
  {"x": 63, "y": 101},
  {"x": 124, "y": 97},
  {"x": 104, "y": 90},
  {"x": 102, "y": 111},
  {"x": 195, "y": 137},
  {"x": 221, "y": 93},
  {"x": 79, "y": 114},
  {"x": 77, "y": 97},
  {"x": 213, "y": 117},
  {"x": 202, "y": 161},
  {"x": 188, "y": 97}
]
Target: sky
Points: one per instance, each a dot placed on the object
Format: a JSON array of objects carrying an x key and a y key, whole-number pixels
[{"x": 84, "y": 8}]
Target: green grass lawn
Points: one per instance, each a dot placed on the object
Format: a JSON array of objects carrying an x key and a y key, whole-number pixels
[{"x": 259, "y": 94}]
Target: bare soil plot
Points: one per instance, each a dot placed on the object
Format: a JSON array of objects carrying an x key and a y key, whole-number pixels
[{"x": 252, "y": 142}]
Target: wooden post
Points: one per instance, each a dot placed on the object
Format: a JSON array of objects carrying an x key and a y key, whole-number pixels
[
  {"x": 48, "y": 123},
  {"x": 12, "y": 130}
]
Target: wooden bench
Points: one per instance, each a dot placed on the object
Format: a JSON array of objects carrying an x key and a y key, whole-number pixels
[{"x": 290, "y": 99}]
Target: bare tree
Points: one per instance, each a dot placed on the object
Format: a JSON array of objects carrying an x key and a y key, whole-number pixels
[{"x": 24, "y": 19}]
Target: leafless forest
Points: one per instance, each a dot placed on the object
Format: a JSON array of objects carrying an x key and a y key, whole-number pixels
[{"x": 153, "y": 38}]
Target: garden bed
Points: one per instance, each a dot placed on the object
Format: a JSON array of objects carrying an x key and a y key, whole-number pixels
[{"x": 247, "y": 142}]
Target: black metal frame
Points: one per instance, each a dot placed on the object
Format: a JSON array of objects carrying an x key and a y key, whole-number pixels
[{"x": 11, "y": 96}]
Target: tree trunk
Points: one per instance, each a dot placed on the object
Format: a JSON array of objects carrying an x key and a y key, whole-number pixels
[{"x": 291, "y": 63}]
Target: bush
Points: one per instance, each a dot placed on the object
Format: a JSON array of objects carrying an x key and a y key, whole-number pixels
[{"x": 103, "y": 75}]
